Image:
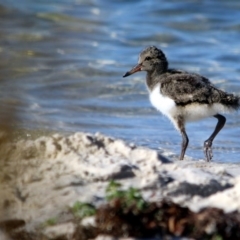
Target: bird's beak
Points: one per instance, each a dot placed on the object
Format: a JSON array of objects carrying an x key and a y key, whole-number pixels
[{"x": 137, "y": 68}]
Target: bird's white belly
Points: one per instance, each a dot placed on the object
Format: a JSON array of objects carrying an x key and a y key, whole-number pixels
[
  {"x": 190, "y": 112},
  {"x": 195, "y": 111},
  {"x": 162, "y": 103}
]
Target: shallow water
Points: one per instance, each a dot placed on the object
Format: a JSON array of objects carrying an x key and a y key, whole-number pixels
[{"x": 62, "y": 64}]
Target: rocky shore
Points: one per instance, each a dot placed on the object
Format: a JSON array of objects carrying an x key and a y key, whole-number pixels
[{"x": 42, "y": 179}]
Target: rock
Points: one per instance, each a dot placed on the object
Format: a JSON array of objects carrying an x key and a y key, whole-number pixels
[
  {"x": 88, "y": 222},
  {"x": 65, "y": 231}
]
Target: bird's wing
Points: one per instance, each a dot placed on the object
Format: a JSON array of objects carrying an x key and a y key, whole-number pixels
[{"x": 185, "y": 88}]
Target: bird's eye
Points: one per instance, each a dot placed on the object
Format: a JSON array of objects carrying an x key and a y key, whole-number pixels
[{"x": 148, "y": 58}]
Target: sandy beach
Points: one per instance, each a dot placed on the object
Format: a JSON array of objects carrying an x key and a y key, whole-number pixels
[{"x": 42, "y": 178}]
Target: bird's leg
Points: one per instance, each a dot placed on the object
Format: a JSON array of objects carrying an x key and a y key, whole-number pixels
[
  {"x": 181, "y": 127},
  {"x": 208, "y": 142},
  {"x": 184, "y": 144}
]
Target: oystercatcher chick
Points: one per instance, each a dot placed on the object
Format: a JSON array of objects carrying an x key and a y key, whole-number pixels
[{"x": 183, "y": 96}]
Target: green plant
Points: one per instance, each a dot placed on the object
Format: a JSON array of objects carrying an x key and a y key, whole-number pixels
[
  {"x": 81, "y": 210},
  {"x": 216, "y": 237},
  {"x": 50, "y": 222},
  {"x": 113, "y": 191},
  {"x": 130, "y": 198}
]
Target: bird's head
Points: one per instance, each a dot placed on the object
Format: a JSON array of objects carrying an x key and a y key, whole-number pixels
[{"x": 150, "y": 59}]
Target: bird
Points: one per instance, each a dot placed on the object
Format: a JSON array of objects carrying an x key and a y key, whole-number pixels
[{"x": 183, "y": 96}]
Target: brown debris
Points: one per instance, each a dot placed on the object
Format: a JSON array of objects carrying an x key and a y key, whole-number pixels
[
  {"x": 11, "y": 224},
  {"x": 165, "y": 218},
  {"x": 157, "y": 219}
]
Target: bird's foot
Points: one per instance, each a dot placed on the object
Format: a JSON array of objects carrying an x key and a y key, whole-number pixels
[{"x": 208, "y": 150}]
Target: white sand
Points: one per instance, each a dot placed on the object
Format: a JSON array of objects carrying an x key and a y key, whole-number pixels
[{"x": 42, "y": 178}]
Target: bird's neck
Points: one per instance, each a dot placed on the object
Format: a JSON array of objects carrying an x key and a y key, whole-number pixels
[{"x": 154, "y": 77}]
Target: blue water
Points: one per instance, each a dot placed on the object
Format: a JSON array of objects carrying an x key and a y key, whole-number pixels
[{"x": 62, "y": 63}]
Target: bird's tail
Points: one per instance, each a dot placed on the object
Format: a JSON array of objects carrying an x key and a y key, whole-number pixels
[{"x": 231, "y": 101}]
